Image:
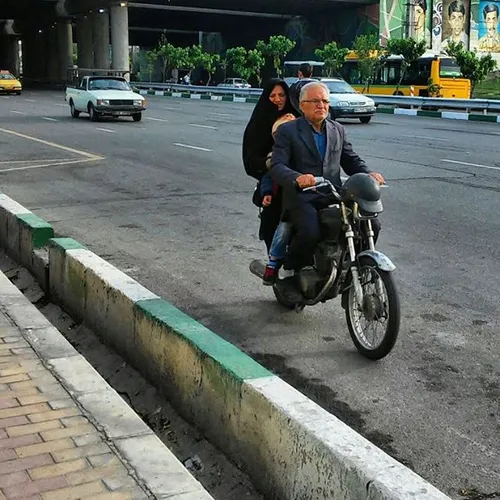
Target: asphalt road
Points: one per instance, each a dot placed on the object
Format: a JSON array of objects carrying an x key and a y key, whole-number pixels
[{"x": 168, "y": 202}]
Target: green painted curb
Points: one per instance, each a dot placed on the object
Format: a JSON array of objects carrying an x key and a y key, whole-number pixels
[
  {"x": 206, "y": 97},
  {"x": 430, "y": 114},
  {"x": 41, "y": 230},
  {"x": 151, "y": 92},
  {"x": 232, "y": 360},
  {"x": 388, "y": 111},
  {"x": 66, "y": 244},
  {"x": 482, "y": 118}
]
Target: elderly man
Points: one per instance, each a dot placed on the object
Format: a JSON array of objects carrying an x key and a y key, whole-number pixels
[{"x": 313, "y": 145}]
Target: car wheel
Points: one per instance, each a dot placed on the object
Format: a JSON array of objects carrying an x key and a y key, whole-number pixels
[
  {"x": 365, "y": 119},
  {"x": 94, "y": 115},
  {"x": 137, "y": 117},
  {"x": 74, "y": 112}
]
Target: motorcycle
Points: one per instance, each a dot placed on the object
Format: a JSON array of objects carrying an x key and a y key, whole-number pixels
[{"x": 347, "y": 264}]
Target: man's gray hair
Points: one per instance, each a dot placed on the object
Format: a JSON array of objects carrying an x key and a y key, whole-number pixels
[{"x": 310, "y": 86}]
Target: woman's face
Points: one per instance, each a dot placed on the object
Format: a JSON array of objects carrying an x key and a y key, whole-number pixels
[{"x": 278, "y": 97}]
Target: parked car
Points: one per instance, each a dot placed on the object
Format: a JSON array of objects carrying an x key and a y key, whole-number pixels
[
  {"x": 235, "y": 82},
  {"x": 105, "y": 96},
  {"x": 9, "y": 83},
  {"x": 345, "y": 102}
]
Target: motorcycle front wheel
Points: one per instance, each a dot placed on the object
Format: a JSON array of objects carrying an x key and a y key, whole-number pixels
[{"x": 380, "y": 310}]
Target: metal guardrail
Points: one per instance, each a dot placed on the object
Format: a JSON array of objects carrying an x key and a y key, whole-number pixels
[
  {"x": 196, "y": 88},
  {"x": 467, "y": 105}
]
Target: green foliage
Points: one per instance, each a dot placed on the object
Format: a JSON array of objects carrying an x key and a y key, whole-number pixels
[
  {"x": 368, "y": 51},
  {"x": 333, "y": 57},
  {"x": 409, "y": 48},
  {"x": 475, "y": 68},
  {"x": 277, "y": 48}
]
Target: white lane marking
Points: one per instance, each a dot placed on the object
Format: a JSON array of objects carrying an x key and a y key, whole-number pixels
[
  {"x": 33, "y": 161},
  {"x": 156, "y": 119},
  {"x": 202, "y": 126},
  {"x": 31, "y": 167},
  {"x": 171, "y": 109},
  {"x": 53, "y": 144},
  {"x": 470, "y": 164},
  {"x": 191, "y": 147},
  {"x": 18, "y": 112},
  {"x": 5, "y": 97},
  {"x": 426, "y": 138},
  {"x": 106, "y": 130},
  {"x": 59, "y": 104},
  {"x": 219, "y": 114},
  {"x": 49, "y": 119},
  {"x": 30, "y": 100}
]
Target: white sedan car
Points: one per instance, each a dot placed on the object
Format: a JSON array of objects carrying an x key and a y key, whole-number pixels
[{"x": 346, "y": 102}]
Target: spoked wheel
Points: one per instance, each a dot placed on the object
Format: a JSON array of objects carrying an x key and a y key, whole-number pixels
[{"x": 374, "y": 327}]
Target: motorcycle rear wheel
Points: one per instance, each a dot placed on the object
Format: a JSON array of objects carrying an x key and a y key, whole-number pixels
[{"x": 374, "y": 309}]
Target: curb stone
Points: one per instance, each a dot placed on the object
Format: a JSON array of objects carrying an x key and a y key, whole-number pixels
[
  {"x": 448, "y": 115},
  {"x": 292, "y": 447}
]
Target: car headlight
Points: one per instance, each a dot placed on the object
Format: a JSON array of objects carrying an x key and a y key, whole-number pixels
[
  {"x": 103, "y": 102},
  {"x": 370, "y": 102},
  {"x": 342, "y": 103},
  {"x": 138, "y": 102}
]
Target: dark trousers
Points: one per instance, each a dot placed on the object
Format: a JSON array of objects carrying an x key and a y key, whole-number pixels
[{"x": 306, "y": 231}]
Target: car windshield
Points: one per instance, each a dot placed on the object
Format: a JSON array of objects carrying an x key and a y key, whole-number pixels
[
  {"x": 6, "y": 76},
  {"x": 339, "y": 88},
  {"x": 108, "y": 84}
]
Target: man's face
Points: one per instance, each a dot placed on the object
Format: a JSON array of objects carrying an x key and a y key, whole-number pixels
[
  {"x": 491, "y": 21},
  {"x": 419, "y": 17},
  {"x": 457, "y": 21},
  {"x": 316, "y": 104}
]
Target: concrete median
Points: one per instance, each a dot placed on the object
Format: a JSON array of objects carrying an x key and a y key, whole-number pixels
[{"x": 292, "y": 448}]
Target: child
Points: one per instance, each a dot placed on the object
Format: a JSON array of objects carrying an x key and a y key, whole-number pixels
[{"x": 282, "y": 233}]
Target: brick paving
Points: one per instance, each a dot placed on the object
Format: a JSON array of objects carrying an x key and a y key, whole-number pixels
[{"x": 48, "y": 448}]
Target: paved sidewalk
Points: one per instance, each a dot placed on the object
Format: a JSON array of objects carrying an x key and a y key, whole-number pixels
[{"x": 64, "y": 432}]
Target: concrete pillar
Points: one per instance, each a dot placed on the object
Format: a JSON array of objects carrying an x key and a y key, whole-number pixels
[
  {"x": 100, "y": 36},
  {"x": 53, "y": 54},
  {"x": 11, "y": 60},
  {"x": 85, "y": 42},
  {"x": 120, "y": 38},
  {"x": 65, "y": 47}
]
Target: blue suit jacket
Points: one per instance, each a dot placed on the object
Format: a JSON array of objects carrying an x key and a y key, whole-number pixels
[{"x": 295, "y": 153}]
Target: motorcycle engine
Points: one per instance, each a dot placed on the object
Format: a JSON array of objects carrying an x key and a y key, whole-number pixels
[{"x": 311, "y": 282}]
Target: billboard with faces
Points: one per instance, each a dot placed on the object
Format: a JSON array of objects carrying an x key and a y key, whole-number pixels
[
  {"x": 451, "y": 23},
  {"x": 420, "y": 21}
]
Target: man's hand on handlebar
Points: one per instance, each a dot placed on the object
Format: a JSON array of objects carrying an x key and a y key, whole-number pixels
[
  {"x": 305, "y": 181},
  {"x": 378, "y": 177}
]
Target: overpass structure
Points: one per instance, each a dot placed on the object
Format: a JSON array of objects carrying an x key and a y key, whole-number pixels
[{"x": 103, "y": 30}]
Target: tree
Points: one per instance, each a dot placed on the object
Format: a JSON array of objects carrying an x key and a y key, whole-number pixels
[
  {"x": 277, "y": 47},
  {"x": 475, "y": 68},
  {"x": 171, "y": 58},
  {"x": 151, "y": 58},
  {"x": 209, "y": 63},
  {"x": 255, "y": 63},
  {"x": 333, "y": 57},
  {"x": 409, "y": 49},
  {"x": 237, "y": 57},
  {"x": 368, "y": 50}
]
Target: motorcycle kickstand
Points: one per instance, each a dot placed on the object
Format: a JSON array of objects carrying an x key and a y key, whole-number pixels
[{"x": 299, "y": 307}]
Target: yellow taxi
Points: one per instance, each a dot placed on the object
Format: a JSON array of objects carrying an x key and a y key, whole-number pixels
[{"x": 9, "y": 84}]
